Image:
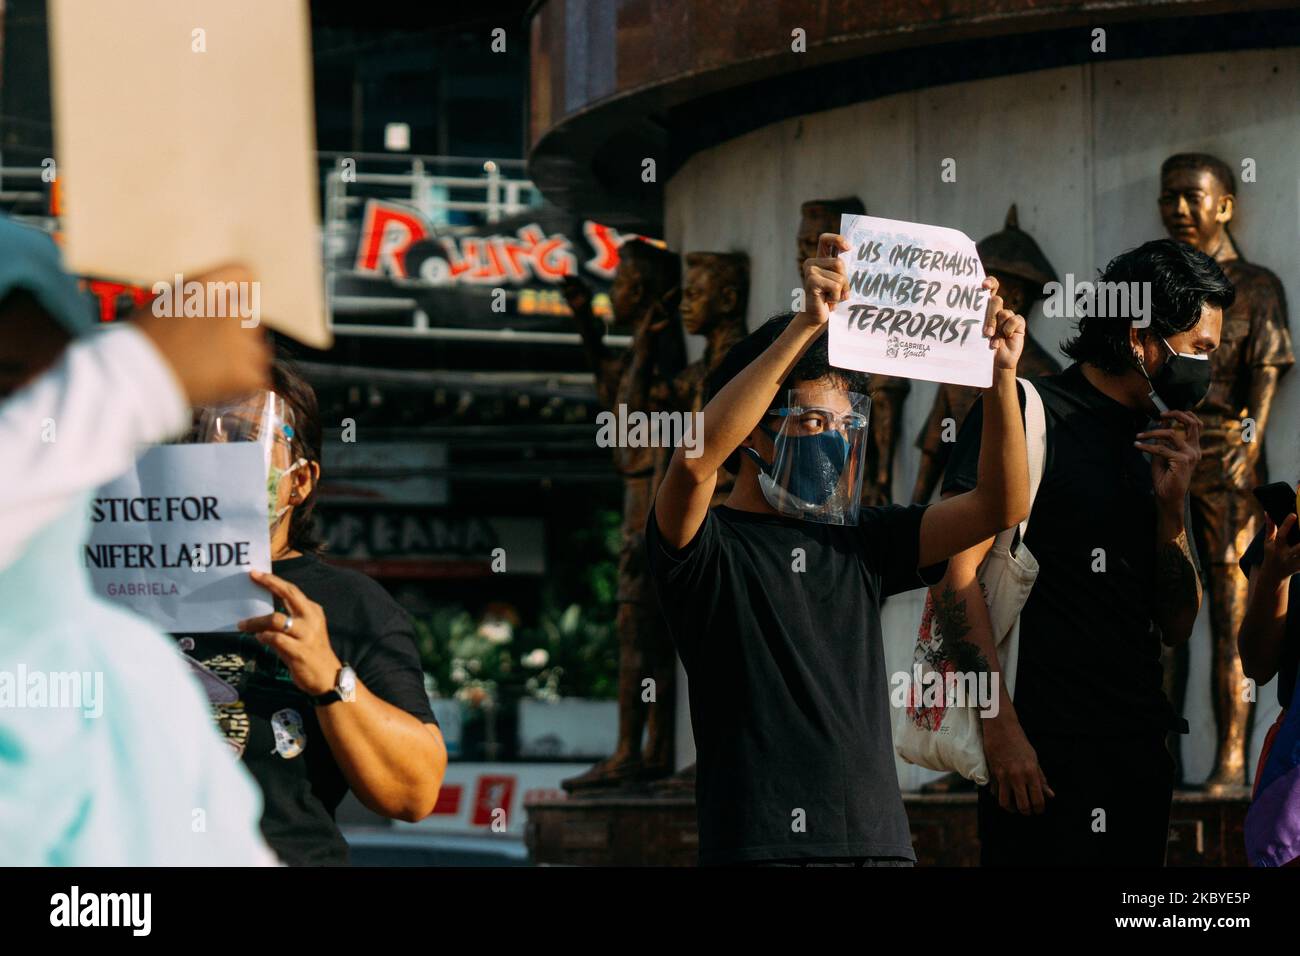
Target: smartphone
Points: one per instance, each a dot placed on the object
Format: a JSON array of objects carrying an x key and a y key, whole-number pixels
[{"x": 1279, "y": 500}]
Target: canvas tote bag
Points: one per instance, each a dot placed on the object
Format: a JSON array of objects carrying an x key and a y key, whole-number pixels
[{"x": 947, "y": 736}]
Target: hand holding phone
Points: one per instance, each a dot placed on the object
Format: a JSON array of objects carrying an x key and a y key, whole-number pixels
[{"x": 1279, "y": 500}]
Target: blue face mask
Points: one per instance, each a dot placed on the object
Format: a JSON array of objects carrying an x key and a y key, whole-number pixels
[{"x": 815, "y": 468}]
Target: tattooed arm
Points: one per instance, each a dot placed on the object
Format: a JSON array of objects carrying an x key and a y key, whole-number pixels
[
  {"x": 961, "y": 617},
  {"x": 1175, "y": 450},
  {"x": 1178, "y": 580}
]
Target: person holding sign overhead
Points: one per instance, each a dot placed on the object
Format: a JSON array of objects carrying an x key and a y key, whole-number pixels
[
  {"x": 773, "y": 599},
  {"x": 123, "y": 767},
  {"x": 326, "y": 693}
]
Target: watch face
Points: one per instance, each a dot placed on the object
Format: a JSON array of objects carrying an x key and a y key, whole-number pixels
[{"x": 348, "y": 684}]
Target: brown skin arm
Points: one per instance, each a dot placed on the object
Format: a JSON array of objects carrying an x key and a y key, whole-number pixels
[
  {"x": 393, "y": 762},
  {"x": 687, "y": 489},
  {"x": 1175, "y": 451},
  {"x": 684, "y": 495},
  {"x": 1263, "y": 626},
  {"x": 962, "y": 616},
  {"x": 1000, "y": 498}
]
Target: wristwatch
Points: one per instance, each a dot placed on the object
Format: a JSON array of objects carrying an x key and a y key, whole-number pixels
[{"x": 345, "y": 688}]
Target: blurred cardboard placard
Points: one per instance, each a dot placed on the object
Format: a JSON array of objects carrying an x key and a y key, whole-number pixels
[{"x": 185, "y": 139}]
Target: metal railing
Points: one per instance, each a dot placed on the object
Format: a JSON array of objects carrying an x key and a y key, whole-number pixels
[{"x": 452, "y": 194}]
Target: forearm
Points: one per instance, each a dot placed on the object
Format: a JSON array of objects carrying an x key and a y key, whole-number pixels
[
  {"x": 1002, "y": 487},
  {"x": 740, "y": 406},
  {"x": 962, "y": 618},
  {"x": 1263, "y": 626},
  {"x": 393, "y": 762},
  {"x": 81, "y": 424},
  {"x": 1178, "y": 586}
]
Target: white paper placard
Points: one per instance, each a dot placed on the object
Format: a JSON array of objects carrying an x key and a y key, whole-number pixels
[
  {"x": 185, "y": 139},
  {"x": 915, "y": 307},
  {"x": 174, "y": 538}
]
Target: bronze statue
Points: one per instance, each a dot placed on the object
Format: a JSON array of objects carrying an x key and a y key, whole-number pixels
[
  {"x": 1197, "y": 203},
  {"x": 887, "y": 392},
  {"x": 715, "y": 298},
  {"x": 1014, "y": 259},
  {"x": 643, "y": 296}
]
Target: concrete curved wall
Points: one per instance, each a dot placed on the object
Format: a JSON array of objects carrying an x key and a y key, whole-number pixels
[{"x": 1079, "y": 150}]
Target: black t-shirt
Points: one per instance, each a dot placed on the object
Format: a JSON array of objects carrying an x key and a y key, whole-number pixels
[
  {"x": 1090, "y": 648},
  {"x": 266, "y": 719},
  {"x": 777, "y": 621},
  {"x": 1290, "y": 660}
]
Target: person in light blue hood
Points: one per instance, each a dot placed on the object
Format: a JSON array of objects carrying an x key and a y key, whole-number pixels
[{"x": 108, "y": 755}]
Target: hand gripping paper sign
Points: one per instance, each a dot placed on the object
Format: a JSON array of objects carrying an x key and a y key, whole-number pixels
[
  {"x": 915, "y": 307},
  {"x": 174, "y": 539}
]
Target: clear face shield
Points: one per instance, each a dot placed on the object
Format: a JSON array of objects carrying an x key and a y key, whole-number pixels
[
  {"x": 263, "y": 418},
  {"x": 817, "y": 470}
]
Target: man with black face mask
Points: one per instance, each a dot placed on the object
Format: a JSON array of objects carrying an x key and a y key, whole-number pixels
[{"x": 1080, "y": 771}]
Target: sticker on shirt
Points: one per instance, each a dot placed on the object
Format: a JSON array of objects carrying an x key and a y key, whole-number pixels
[
  {"x": 218, "y": 689},
  {"x": 290, "y": 738},
  {"x": 223, "y": 678}
]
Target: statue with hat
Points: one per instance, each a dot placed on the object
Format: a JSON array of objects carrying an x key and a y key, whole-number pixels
[
  {"x": 1014, "y": 259},
  {"x": 714, "y": 301}
]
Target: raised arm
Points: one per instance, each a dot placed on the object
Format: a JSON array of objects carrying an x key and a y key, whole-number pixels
[
  {"x": 1263, "y": 626},
  {"x": 683, "y": 498},
  {"x": 82, "y": 422},
  {"x": 1000, "y": 497}
]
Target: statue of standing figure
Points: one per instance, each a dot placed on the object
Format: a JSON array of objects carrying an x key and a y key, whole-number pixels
[
  {"x": 1014, "y": 259},
  {"x": 643, "y": 296},
  {"x": 1197, "y": 203},
  {"x": 715, "y": 299},
  {"x": 887, "y": 392}
]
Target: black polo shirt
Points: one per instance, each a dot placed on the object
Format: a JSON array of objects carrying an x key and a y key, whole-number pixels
[{"x": 1089, "y": 643}]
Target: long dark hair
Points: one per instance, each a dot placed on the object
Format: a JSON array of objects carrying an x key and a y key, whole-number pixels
[{"x": 300, "y": 397}]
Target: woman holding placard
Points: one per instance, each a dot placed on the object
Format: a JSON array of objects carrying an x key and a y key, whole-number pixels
[{"x": 326, "y": 693}]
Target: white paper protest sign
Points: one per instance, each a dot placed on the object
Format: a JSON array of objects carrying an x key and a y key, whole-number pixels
[
  {"x": 174, "y": 538},
  {"x": 915, "y": 307}
]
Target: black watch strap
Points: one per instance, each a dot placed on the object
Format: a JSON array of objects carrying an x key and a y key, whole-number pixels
[{"x": 332, "y": 695}]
